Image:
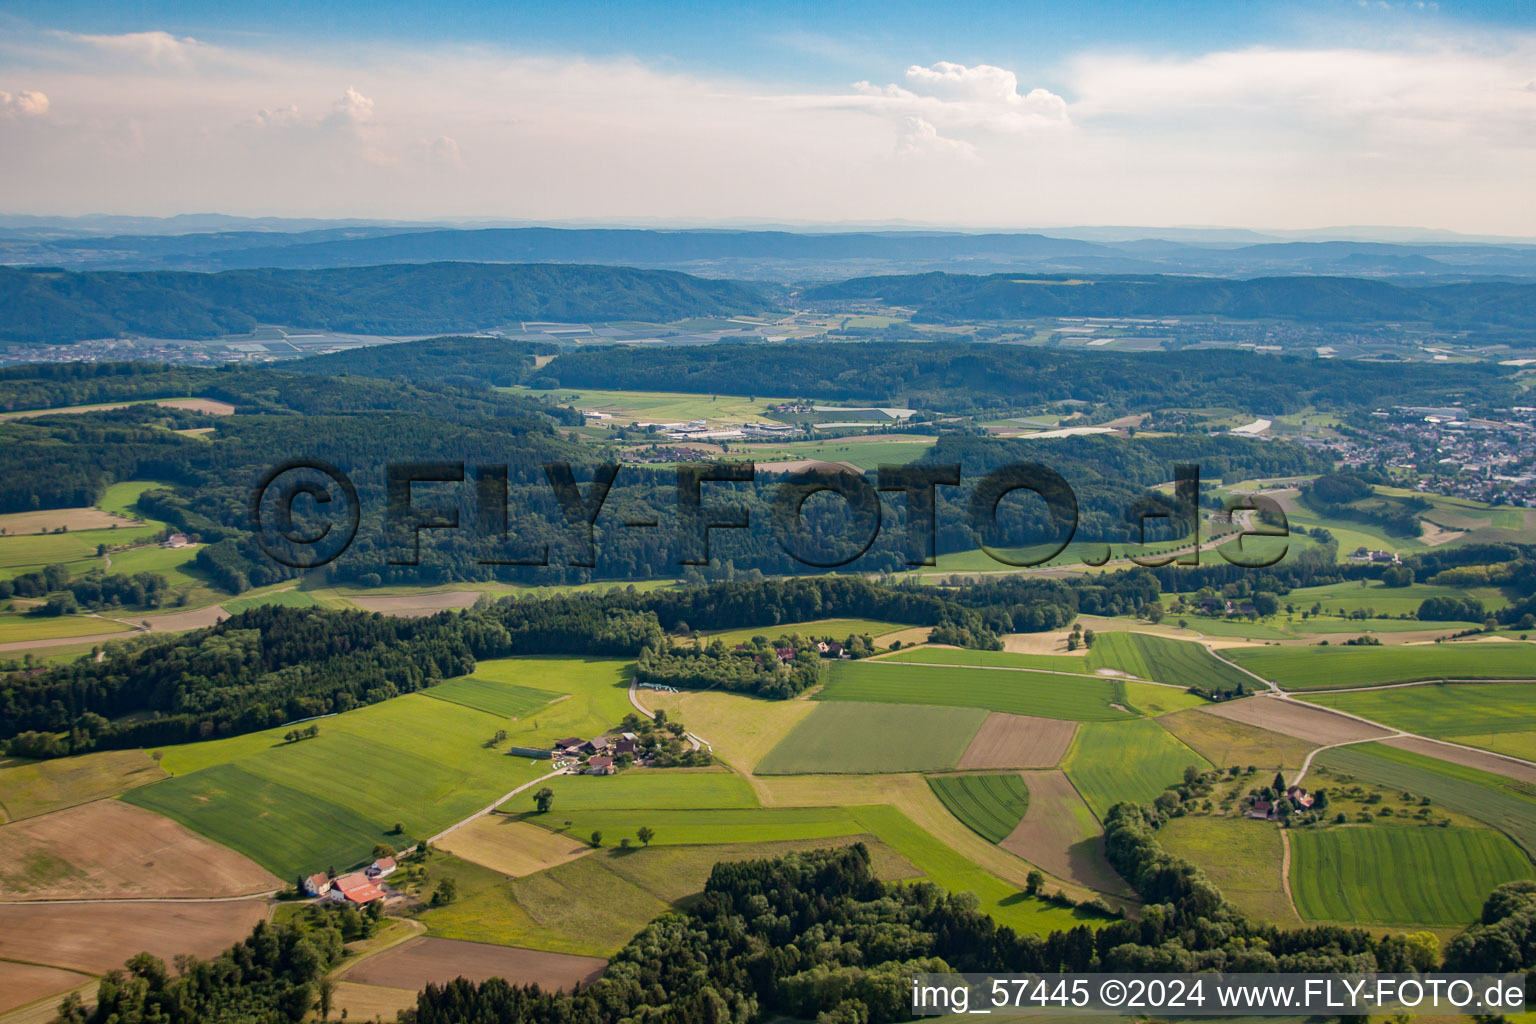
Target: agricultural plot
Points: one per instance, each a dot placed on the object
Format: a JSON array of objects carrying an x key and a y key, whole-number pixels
[
  {"x": 26, "y": 628},
  {"x": 1242, "y": 858},
  {"x": 76, "y": 549},
  {"x": 98, "y": 937},
  {"x": 989, "y": 805},
  {"x": 700, "y": 826},
  {"x": 1155, "y": 700},
  {"x": 512, "y": 847},
  {"x": 1341, "y": 599},
  {"x": 421, "y": 961},
  {"x": 741, "y": 730},
  {"x": 21, "y": 984},
  {"x": 842, "y": 737},
  {"x": 1334, "y": 667},
  {"x": 175, "y": 564},
  {"x": 1503, "y": 803},
  {"x": 1225, "y": 742},
  {"x": 1060, "y": 834},
  {"x": 659, "y": 406},
  {"x": 291, "y": 598},
  {"x": 1018, "y": 741},
  {"x": 993, "y": 659},
  {"x": 1356, "y": 873},
  {"x": 109, "y": 848},
  {"x": 37, "y": 787},
  {"x": 1021, "y": 692},
  {"x": 497, "y": 698},
  {"x": 286, "y": 831},
  {"x": 1173, "y": 661},
  {"x": 1469, "y": 711},
  {"x": 1303, "y": 721},
  {"x": 1112, "y": 762},
  {"x": 415, "y": 761},
  {"x": 642, "y": 789}
]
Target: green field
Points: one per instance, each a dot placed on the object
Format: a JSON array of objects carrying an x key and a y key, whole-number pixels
[
  {"x": 1335, "y": 667},
  {"x": 287, "y": 831},
  {"x": 661, "y": 788},
  {"x": 175, "y": 564},
  {"x": 1357, "y": 873},
  {"x": 1444, "y": 710},
  {"x": 1241, "y": 857},
  {"x": 122, "y": 498},
  {"x": 994, "y": 659},
  {"x": 990, "y": 805},
  {"x": 1153, "y": 699},
  {"x": 847, "y": 738},
  {"x": 1167, "y": 660},
  {"x": 1344, "y": 598},
  {"x": 658, "y": 406},
  {"x": 1112, "y": 762},
  {"x": 21, "y": 553},
  {"x": 867, "y": 455},
  {"x": 1021, "y": 692},
  {"x": 28, "y": 788},
  {"x": 290, "y": 598},
  {"x": 498, "y": 698},
  {"x": 415, "y": 760},
  {"x": 21, "y": 628},
  {"x": 1495, "y": 800},
  {"x": 696, "y": 826},
  {"x": 838, "y": 629}
]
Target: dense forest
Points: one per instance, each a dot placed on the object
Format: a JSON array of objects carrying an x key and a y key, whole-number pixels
[
  {"x": 950, "y": 377},
  {"x": 51, "y": 305},
  {"x": 1317, "y": 299}
]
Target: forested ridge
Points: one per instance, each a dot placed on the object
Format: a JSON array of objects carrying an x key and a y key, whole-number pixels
[
  {"x": 50, "y": 305},
  {"x": 1317, "y": 299},
  {"x": 950, "y": 377}
]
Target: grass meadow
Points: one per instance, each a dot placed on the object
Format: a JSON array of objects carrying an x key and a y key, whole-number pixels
[{"x": 1137, "y": 760}]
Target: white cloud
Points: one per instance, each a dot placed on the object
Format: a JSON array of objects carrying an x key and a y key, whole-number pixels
[
  {"x": 1436, "y": 132},
  {"x": 27, "y": 103}
]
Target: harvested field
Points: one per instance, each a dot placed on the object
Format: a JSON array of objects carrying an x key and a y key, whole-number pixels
[
  {"x": 203, "y": 405},
  {"x": 74, "y": 518},
  {"x": 1223, "y": 741},
  {"x": 96, "y": 937},
  {"x": 1060, "y": 834},
  {"x": 416, "y": 962},
  {"x": 1471, "y": 758},
  {"x": 512, "y": 847},
  {"x": 371, "y": 1002},
  {"x": 112, "y": 849},
  {"x": 21, "y": 984},
  {"x": 1304, "y": 721},
  {"x": 1054, "y": 642},
  {"x": 410, "y": 605},
  {"x": 740, "y": 729},
  {"x": 1018, "y": 741},
  {"x": 42, "y": 786},
  {"x": 1242, "y": 858},
  {"x": 179, "y": 622}
]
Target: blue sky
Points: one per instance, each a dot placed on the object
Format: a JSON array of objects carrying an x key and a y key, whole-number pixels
[{"x": 1286, "y": 114}]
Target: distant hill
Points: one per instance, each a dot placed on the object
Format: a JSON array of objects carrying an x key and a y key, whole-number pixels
[
  {"x": 1315, "y": 299},
  {"x": 49, "y": 305}
]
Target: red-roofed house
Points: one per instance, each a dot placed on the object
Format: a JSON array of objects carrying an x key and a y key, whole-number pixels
[
  {"x": 356, "y": 888},
  {"x": 318, "y": 884},
  {"x": 600, "y": 766},
  {"x": 380, "y": 868}
]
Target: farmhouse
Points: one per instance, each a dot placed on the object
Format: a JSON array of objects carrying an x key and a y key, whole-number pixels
[
  {"x": 569, "y": 745},
  {"x": 623, "y": 746},
  {"x": 177, "y": 540},
  {"x": 1261, "y": 810},
  {"x": 1300, "y": 797},
  {"x": 601, "y": 745},
  {"x": 318, "y": 884},
  {"x": 381, "y": 868},
  {"x": 600, "y": 766},
  {"x": 356, "y": 888}
]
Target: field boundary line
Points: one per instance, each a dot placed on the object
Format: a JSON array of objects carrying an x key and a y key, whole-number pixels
[
  {"x": 1285, "y": 873},
  {"x": 265, "y": 894},
  {"x": 1018, "y": 668},
  {"x": 414, "y": 930}
]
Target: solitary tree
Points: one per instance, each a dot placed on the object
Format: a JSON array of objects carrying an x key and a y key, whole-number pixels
[
  {"x": 597, "y": 839},
  {"x": 1033, "y": 882},
  {"x": 645, "y": 834},
  {"x": 544, "y": 799}
]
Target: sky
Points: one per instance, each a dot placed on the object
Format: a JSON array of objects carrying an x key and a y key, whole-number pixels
[{"x": 1280, "y": 115}]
